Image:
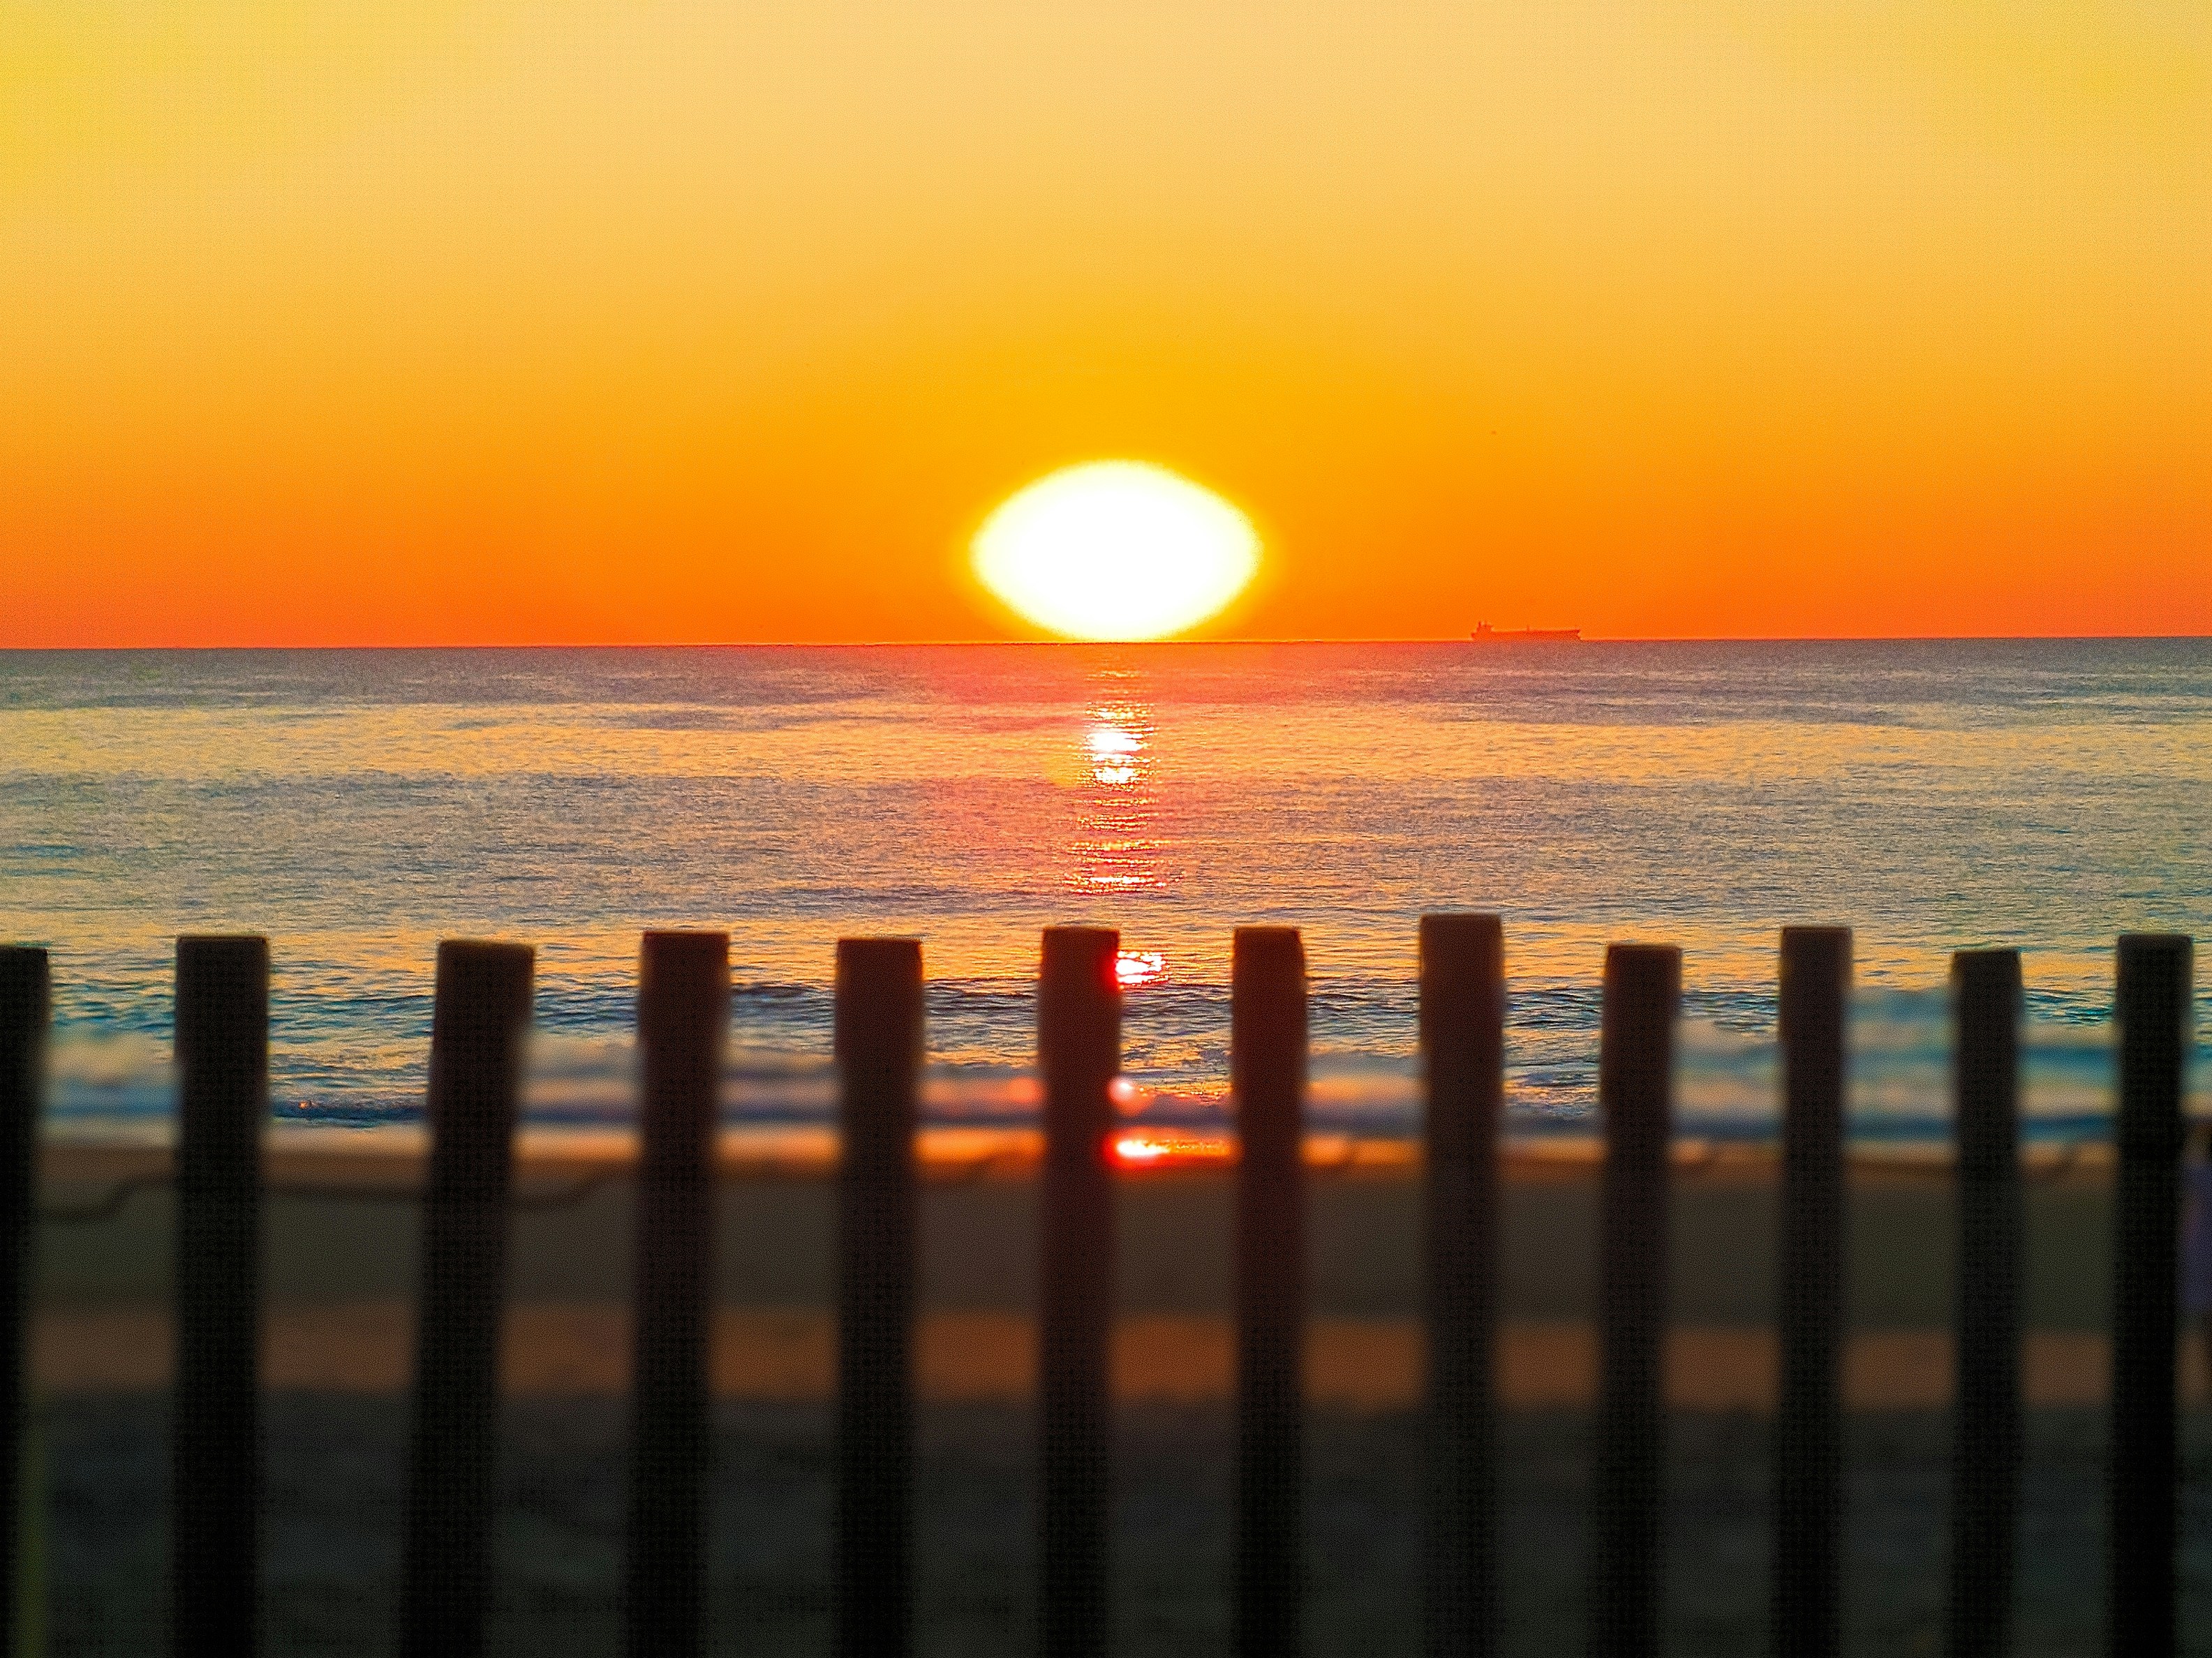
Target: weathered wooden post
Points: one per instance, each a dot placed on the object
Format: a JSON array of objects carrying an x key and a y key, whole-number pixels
[
  {"x": 2155, "y": 984},
  {"x": 1808, "y": 1437},
  {"x": 1636, "y": 1087},
  {"x": 1986, "y": 1440},
  {"x": 879, "y": 1056},
  {"x": 683, "y": 1021},
  {"x": 25, "y": 1012},
  {"x": 1079, "y": 1053},
  {"x": 1462, "y": 1033},
  {"x": 1267, "y": 1068},
  {"x": 478, "y": 1024},
  {"x": 223, "y": 1103}
]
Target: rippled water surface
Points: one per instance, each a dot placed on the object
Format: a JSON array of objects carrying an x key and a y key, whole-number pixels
[{"x": 356, "y": 807}]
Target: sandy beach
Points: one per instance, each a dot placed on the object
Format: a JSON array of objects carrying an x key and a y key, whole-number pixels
[{"x": 340, "y": 1265}]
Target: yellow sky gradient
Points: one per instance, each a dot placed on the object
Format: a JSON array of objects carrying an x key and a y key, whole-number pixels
[{"x": 574, "y": 321}]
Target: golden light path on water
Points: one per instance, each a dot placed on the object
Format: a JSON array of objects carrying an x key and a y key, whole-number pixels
[
  {"x": 1118, "y": 849},
  {"x": 1118, "y": 852}
]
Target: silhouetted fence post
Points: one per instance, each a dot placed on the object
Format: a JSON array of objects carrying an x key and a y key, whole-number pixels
[
  {"x": 1462, "y": 1031},
  {"x": 1809, "y": 1449},
  {"x": 1079, "y": 1053},
  {"x": 2153, "y": 1020},
  {"x": 25, "y": 1011},
  {"x": 879, "y": 1056},
  {"x": 222, "y": 1101},
  {"x": 1636, "y": 1086},
  {"x": 477, "y": 1027},
  {"x": 1267, "y": 1075},
  {"x": 682, "y": 1018},
  {"x": 1986, "y": 1438}
]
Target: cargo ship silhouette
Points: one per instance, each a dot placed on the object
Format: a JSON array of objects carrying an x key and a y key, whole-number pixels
[{"x": 1483, "y": 633}]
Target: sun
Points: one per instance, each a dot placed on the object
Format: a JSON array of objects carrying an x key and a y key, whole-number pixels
[{"x": 1116, "y": 549}]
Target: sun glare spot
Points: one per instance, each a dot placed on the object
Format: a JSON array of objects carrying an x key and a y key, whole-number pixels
[
  {"x": 1171, "y": 1147},
  {"x": 1112, "y": 742},
  {"x": 1116, "y": 549},
  {"x": 1135, "y": 967},
  {"x": 1116, "y": 748}
]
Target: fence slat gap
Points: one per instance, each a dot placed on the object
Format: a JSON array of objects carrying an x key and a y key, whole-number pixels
[
  {"x": 223, "y": 1103},
  {"x": 1463, "y": 1039},
  {"x": 879, "y": 1046},
  {"x": 478, "y": 1022},
  {"x": 1079, "y": 1055},
  {"x": 1636, "y": 1086},
  {"x": 26, "y": 1011},
  {"x": 2154, "y": 989},
  {"x": 683, "y": 1022},
  {"x": 1986, "y": 1440}
]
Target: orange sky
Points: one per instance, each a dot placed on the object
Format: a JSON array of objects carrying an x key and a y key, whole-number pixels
[{"x": 562, "y": 320}]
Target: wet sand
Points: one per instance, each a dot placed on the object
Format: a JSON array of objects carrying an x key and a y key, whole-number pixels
[{"x": 343, "y": 1230}]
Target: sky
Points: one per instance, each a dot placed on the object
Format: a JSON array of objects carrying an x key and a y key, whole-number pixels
[{"x": 553, "y": 321}]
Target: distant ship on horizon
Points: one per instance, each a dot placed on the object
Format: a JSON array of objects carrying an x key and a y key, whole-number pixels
[{"x": 1483, "y": 633}]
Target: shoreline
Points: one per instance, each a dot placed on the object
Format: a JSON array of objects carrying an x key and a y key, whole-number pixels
[{"x": 389, "y": 1156}]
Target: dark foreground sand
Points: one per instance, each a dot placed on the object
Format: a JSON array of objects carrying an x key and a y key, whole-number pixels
[
  {"x": 335, "y": 1494},
  {"x": 340, "y": 1272}
]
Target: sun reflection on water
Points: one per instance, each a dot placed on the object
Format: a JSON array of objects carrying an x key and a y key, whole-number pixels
[
  {"x": 1136, "y": 969},
  {"x": 1158, "y": 1149},
  {"x": 1116, "y": 847},
  {"x": 1135, "y": 1148},
  {"x": 1115, "y": 750}
]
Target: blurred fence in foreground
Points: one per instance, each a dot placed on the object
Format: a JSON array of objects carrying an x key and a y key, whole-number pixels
[{"x": 482, "y": 1011}]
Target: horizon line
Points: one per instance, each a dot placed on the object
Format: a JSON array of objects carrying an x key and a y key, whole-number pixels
[{"x": 1124, "y": 644}]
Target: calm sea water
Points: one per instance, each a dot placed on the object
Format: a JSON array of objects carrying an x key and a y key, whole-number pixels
[{"x": 357, "y": 806}]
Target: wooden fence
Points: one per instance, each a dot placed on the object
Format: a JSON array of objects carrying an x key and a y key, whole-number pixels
[{"x": 481, "y": 1013}]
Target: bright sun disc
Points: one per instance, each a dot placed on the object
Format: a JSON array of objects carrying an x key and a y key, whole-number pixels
[{"x": 1116, "y": 549}]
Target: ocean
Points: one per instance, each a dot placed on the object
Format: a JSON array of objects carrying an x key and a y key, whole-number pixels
[{"x": 357, "y": 806}]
